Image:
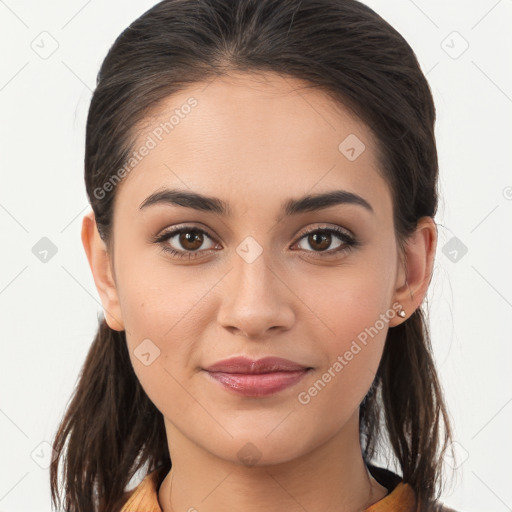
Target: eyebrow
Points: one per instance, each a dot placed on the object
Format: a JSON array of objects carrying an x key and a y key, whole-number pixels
[{"x": 290, "y": 207}]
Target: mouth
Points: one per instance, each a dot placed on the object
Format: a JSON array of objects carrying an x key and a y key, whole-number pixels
[
  {"x": 258, "y": 385},
  {"x": 259, "y": 378}
]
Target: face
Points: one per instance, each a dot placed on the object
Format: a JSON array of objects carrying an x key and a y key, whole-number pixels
[{"x": 314, "y": 284}]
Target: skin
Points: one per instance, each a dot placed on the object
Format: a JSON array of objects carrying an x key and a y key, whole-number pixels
[{"x": 255, "y": 142}]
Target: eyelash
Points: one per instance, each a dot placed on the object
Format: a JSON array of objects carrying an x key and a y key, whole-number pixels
[{"x": 348, "y": 241}]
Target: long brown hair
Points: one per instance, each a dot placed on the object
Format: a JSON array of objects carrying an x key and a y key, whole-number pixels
[{"x": 111, "y": 430}]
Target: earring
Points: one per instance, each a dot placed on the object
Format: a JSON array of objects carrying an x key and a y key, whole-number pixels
[{"x": 401, "y": 313}]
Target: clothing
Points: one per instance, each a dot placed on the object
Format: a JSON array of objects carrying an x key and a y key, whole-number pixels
[{"x": 400, "y": 497}]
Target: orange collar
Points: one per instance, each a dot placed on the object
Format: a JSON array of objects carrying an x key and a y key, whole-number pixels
[{"x": 144, "y": 498}]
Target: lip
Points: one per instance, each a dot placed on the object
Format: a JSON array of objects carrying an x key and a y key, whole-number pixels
[
  {"x": 251, "y": 367},
  {"x": 259, "y": 378}
]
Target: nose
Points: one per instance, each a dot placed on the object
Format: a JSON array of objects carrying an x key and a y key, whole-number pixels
[{"x": 257, "y": 299}]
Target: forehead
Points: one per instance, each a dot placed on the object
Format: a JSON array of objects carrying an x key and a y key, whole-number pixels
[{"x": 253, "y": 139}]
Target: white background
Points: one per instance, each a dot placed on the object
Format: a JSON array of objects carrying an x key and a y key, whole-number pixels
[{"x": 49, "y": 310}]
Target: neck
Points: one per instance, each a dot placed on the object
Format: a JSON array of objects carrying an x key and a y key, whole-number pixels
[{"x": 332, "y": 477}]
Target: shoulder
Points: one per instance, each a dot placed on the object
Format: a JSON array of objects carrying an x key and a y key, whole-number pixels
[{"x": 400, "y": 493}]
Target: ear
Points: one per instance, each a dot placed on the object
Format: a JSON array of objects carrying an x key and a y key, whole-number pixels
[
  {"x": 415, "y": 268},
  {"x": 101, "y": 268}
]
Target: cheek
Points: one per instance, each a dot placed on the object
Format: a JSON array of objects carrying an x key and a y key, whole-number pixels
[
  {"x": 353, "y": 313},
  {"x": 165, "y": 311},
  {"x": 156, "y": 297},
  {"x": 351, "y": 356},
  {"x": 349, "y": 304},
  {"x": 156, "y": 318}
]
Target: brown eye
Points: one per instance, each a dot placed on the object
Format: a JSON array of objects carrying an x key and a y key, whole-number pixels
[
  {"x": 190, "y": 240},
  {"x": 321, "y": 239},
  {"x": 185, "y": 242}
]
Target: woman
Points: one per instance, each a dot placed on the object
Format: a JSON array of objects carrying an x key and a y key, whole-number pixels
[{"x": 262, "y": 176}]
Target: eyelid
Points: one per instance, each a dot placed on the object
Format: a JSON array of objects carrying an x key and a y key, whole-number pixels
[
  {"x": 168, "y": 233},
  {"x": 348, "y": 239},
  {"x": 176, "y": 229},
  {"x": 338, "y": 229}
]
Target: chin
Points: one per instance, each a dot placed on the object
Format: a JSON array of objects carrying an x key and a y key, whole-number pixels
[{"x": 256, "y": 447}]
